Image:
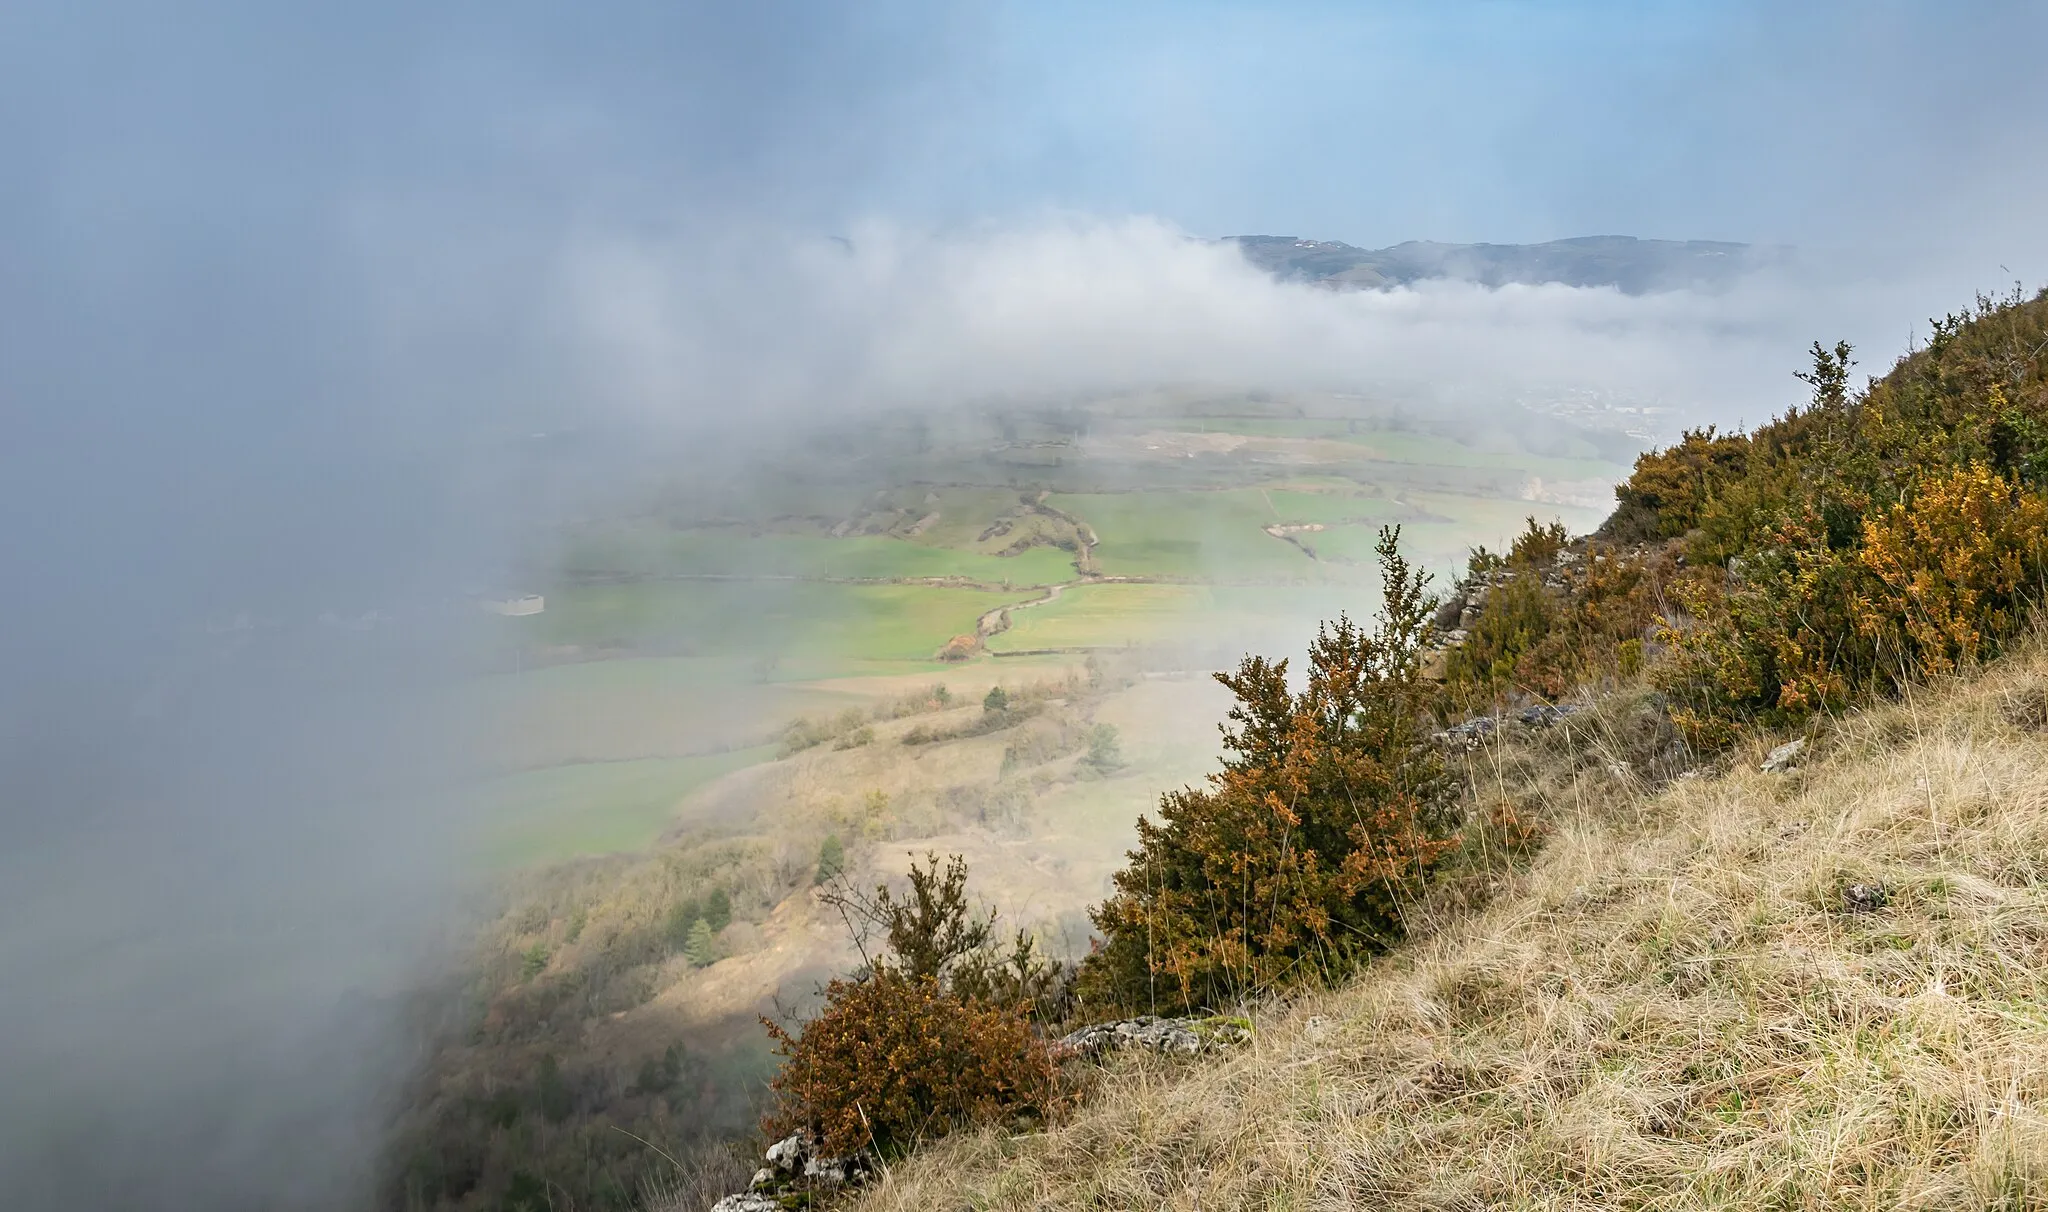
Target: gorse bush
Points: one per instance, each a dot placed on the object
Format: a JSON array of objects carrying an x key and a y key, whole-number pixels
[
  {"x": 1955, "y": 567},
  {"x": 934, "y": 1033},
  {"x": 1297, "y": 857},
  {"x": 1870, "y": 539},
  {"x": 1841, "y": 551}
]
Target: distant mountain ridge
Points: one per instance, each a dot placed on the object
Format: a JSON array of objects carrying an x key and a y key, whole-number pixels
[{"x": 1635, "y": 266}]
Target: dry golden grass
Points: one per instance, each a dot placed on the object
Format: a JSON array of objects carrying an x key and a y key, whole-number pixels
[{"x": 1675, "y": 1006}]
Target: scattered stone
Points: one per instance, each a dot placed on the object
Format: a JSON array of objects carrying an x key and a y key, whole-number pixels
[
  {"x": 1173, "y": 1036},
  {"x": 1864, "y": 898},
  {"x": 1697, "y": 772},
  {"x": 748, "y": 1201},
  {"x": 1470, "y": 735},
  {"x": 1543, "y": 715},
  {"x": 1784, "y": 757}
]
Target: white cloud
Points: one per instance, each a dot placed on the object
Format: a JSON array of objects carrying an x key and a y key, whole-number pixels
[{"x": 1076, "y": 304}]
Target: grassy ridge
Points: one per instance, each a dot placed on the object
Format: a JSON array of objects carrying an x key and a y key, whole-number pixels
[{"x": 1680, "y": 1004}]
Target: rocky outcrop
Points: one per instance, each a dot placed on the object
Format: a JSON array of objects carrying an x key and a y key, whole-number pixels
[
  {"x": 1172, "y": 1036},
  {"x": 1470, "y": 735},
  {"x": 794, "y": 1176},
  {"x": 1462, "y": 607},
  {"x": 1784, "y": 757}
]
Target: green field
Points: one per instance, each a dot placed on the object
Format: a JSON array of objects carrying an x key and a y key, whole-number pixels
[
  {"x": 732, "y": 551},
  {"x": 1119, "y": 615},
  {"x": 809, "y": 622},
  {"x": 1426, "y": 449},
  {"x": 805, "y": 595},
  {"x": 1207, "y": 535},
  {"x": 594, "y": 808}
]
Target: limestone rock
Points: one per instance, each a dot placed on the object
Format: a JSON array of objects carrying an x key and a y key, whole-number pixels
[
  {"x": 1784, "y": 757},
  {"x": 1173, "y": 1036}
]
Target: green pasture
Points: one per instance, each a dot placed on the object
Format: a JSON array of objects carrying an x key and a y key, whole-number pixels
[
  {"x": 1430, "y": 450},
  {"x": 1103, "y": 616},
  {"x": 806, "y": 621},
  {"x": 1123, "y": 614},
  {"x": 1200, "y": 535},
  {"x": 594, "y": 808},
  {"x": 732, "y": 551},
  {"x": 1412, "y": 447}
]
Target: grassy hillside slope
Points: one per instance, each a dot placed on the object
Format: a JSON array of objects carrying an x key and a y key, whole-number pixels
[{"x": 1692, "y": 998}]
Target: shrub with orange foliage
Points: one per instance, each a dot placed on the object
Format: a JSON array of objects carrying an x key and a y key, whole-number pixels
[
  {"x": 1942, "y": 578},
  {"x": 1298, "y": 857},
  {"x": 935, "y": 1033},
  {"x": 895, "y": 1059},
  {"x": 1956, "y": 566}
]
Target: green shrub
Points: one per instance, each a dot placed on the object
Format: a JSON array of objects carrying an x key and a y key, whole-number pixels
[
  {"x": 1105, "y": 750},
  {"x": 551, "y": 1091},
  {"x": 1297, "y": 857},
  {"x": 1517, "y": 617},
  {"x": 702, "y": 948},
  {"x": 682, "y": 915},
  {"x": 831, "y": 859},
  {"x": 718, "y": 910}
]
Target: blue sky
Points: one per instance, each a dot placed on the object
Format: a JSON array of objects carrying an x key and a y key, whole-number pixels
[
  {"x": 1365, "y": 122},
  {"x": 233, "y": 218}
]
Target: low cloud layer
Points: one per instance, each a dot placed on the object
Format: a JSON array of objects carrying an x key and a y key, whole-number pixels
[{"x": 1078, "y": 306}]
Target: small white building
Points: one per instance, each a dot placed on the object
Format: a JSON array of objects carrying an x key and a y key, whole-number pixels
[{"x": 532, "y": 603}]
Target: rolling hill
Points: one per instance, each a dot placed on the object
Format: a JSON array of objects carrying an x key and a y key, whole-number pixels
[{"x": 1635, "y": 266}]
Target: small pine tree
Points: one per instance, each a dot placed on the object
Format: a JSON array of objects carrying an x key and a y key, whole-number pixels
[
  {"x": 702, "y": 948},
  {"x": 1105, "y": 753},
  {"x": 718, "y": 910},
  {"x": 681, "y": 916},
  {"x": 831, "y": 859},
  {"x": 996, "y": 702}
]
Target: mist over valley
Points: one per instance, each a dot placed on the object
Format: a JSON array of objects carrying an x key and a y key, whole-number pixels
[{"x": 513, "y": 520}]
